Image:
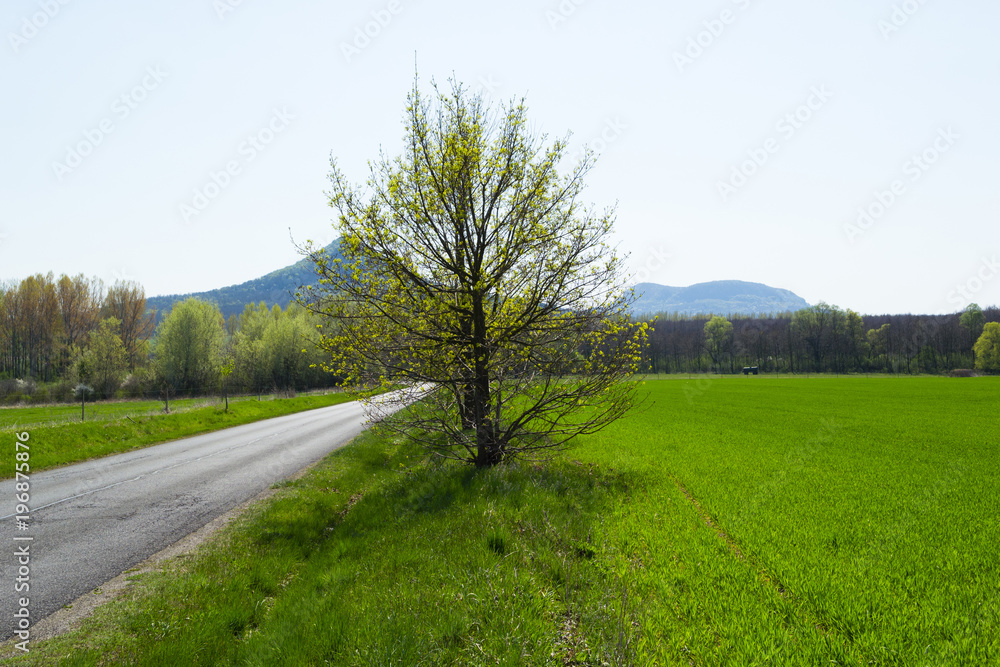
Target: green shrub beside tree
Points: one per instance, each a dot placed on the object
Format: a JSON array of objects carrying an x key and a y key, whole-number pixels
[{"x": 988, "y": 348}]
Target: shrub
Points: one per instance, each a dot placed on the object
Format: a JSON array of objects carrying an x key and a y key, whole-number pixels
[
  {"x": 62, "y": 391},
  {"x": 40, "y": 395},
  {"x": 138, "y": 383},
  {"x": 15, "y": 391}
]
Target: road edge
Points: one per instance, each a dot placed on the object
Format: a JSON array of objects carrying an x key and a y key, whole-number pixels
[{"x": 72, "y": 615}]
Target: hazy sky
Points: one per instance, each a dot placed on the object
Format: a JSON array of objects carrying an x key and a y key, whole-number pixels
[{"x": 844, "y": 150}]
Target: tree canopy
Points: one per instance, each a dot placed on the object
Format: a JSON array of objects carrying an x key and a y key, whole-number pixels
[
  {"x": 472, "y": 270},
  {"x": 275, "y": 349},
  {"x": 987, "y": 348},
  {"x": 718, "y": 338},
  {"x": 188, "y": 350},
  {"x": 105, "y": 363}
]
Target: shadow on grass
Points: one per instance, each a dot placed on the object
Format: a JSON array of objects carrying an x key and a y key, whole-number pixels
[
  {"x": 443, "y": 559},
  {"x": 382, "y": 556}
]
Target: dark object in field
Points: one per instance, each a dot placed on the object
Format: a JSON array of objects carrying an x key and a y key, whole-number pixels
[
  {"x": 963, "y": 373},
  {"x": 747, "y": 370}
]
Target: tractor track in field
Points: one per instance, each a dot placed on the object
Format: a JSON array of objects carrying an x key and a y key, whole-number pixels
[{"x": 802, "y": 611}]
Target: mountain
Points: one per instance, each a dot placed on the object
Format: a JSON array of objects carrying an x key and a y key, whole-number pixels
[
  {"x": 721, "y": 297},
  {"x": 276, "y": 287}
]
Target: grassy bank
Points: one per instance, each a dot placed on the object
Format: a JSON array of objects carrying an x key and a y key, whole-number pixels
[
  {"x": 52, "y": 414},
  {"x": 125, "y": 426},
  {"x": 791, "y": 522}
]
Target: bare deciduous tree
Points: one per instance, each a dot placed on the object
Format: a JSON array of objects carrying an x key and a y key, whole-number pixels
[{"x": 472, "y": 271}]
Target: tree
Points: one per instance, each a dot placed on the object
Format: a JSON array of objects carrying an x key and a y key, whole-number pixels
[
  {"x": 249, "y": 365},
  {"x": 284, "y": 342},
  {"x": 225, "y": 371},
  {"x": 10, "y": 309},
  {"x": 105, "y": 363},
  {"x": 718, "y": 338},
  {"x": 189, "y": 345},
  {"x": 878, "y": 343},
  {"x": 126, "y": 301},
  {"x": 987, "y": 348},
  {"x": 33, "y": 327},
  {"x": 818, "y": 326},
  {"x": 972, "y": 320},
  {"x": 80, "y": 302},
  {"x": 474, "y": 273},
  {"x": 274, "y": 348},
  {"x": 856, "y": 340}
]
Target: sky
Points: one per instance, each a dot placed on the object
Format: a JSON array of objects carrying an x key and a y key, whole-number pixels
[{"x": 846, "y": 151}]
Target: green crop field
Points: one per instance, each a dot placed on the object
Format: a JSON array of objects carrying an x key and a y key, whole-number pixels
[
  {"x": 865, "y": 509},
  {"x": 726, "y": 521}
]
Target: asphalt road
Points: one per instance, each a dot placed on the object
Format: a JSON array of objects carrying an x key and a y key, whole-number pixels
[{"x": 91, "y": 521}]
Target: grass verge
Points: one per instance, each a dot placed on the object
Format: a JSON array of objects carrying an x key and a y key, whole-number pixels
[
  {"x": 72, "y": 442},
  {"x": 380, "y": 556}
]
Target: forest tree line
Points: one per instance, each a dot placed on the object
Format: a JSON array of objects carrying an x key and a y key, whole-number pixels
[
  {"x": 819, "y": 339},
  {"x": 59, "y": 334}
]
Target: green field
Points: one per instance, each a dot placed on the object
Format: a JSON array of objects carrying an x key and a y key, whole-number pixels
[
  {"x": 866, "y": 508},
  {"x": 736, "y": 521}
]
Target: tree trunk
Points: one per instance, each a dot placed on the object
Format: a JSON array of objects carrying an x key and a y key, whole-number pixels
[
  {"x": 466, "y": 404},
  {"x": 488, "y": 451}
]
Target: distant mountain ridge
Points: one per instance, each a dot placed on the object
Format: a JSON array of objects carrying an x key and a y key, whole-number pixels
[
  {"x": 720, "y": 297},
  {"x": 277, "y": 287}
]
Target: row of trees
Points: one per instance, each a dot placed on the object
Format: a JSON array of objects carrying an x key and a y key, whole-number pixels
[
  {"x": 262, "y": 349},
  {"x": 46, "y": 323},
  {"x": 59, "y": 333},
  {"x": 821, "y": 338}
]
